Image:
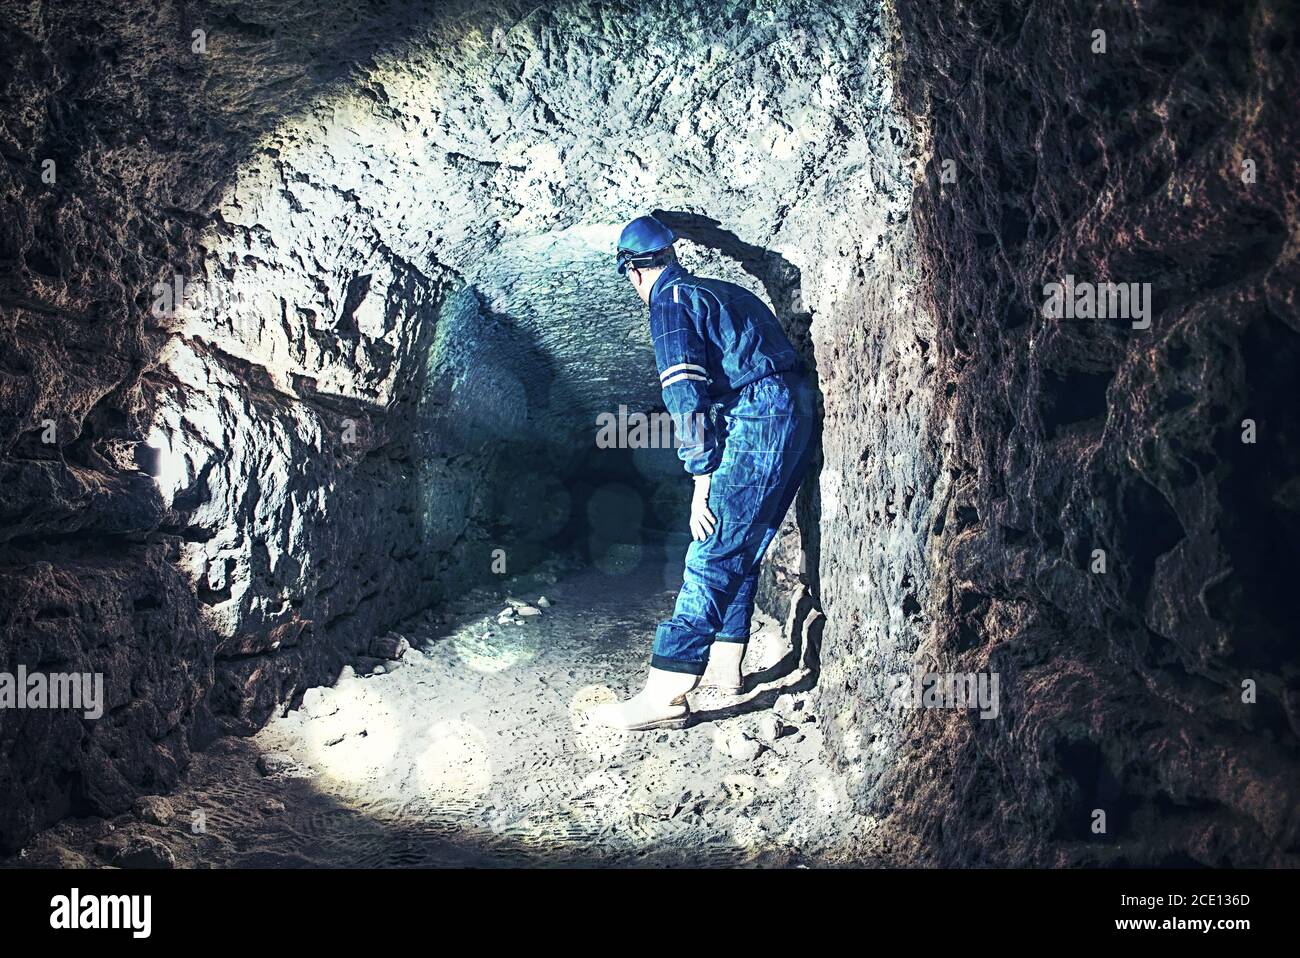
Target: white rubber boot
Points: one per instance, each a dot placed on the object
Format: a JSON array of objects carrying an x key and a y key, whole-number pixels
[
  {"x": 661, "y": 704},
  {"x": 724, "y": 672}
]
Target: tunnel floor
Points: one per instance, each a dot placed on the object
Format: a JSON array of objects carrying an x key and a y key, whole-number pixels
[{"x": 474, "y": 749}]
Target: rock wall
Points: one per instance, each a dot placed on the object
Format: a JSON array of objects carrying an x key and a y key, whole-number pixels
[
  {"x": 319, "y": 303},
  {"x": 86, "y": 587},
  {"x": 316, "y": 312},
  {"x": 1167, "y": 159}
]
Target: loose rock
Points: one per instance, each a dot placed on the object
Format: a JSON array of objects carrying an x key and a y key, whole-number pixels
[
  {"x": 154, "y": 809},
  {"x": 738, "y": 745},
  {"x": 141, "y": 851},
  {"x": 390, "y": 646}
]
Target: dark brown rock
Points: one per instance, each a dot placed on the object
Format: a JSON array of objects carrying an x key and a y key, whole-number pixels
[
  {"x": 1121, "y": 691},
  {"x": 141, "y": 851}
]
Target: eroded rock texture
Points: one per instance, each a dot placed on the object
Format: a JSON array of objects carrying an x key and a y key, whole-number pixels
[
  {"x": 1168, "y": 159},
  {"x": 321, "y": 311},
  {"x": 317, "y": 314}
]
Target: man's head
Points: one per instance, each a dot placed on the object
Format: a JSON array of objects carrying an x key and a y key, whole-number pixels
[{"x": 645, "y": 248}]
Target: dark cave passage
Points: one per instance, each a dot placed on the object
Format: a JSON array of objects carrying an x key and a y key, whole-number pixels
[{"x": 309, "y": 327}]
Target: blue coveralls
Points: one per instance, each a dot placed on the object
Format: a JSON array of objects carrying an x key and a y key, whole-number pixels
[{"x": 717, "y": 343}]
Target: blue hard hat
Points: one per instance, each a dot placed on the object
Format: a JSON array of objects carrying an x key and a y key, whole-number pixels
[{"x": 640, "y": 239}]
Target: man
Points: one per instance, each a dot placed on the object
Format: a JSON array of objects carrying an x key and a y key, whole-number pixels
[{"x": 716, "y": 344}]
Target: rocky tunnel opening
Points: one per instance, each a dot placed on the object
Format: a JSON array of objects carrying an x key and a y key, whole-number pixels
[{"x": 311, "y": 329}]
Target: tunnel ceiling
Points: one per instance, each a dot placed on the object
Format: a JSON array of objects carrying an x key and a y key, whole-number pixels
[{"x": 503, "y": 154}]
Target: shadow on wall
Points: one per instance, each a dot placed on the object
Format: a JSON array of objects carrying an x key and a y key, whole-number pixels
[
  {"x": 782, "y": 281},
  {"x": 492, "y": 395},
  {"x": 497, "y": 392}
]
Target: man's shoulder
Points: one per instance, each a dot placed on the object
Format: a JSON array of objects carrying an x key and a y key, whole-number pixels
[
  {"x": 690, "y": 283},
  {"x": 727, "y": 294}
]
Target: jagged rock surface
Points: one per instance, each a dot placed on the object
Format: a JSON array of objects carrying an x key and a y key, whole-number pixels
[
  {"x": 396, "y": 322},
  {"x": 402, "y": 323},
  {"x": 1121, "y": 691}
]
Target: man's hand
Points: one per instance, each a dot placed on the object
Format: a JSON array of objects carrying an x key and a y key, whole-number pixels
[{"x": 702, "y": 520}]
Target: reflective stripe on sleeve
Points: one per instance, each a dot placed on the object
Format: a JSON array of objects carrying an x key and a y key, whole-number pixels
[
  {"x": 679, "y": 367},
  {"x": 681, "y": 376}
]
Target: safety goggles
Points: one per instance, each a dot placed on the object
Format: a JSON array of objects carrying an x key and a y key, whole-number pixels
[{"x": 627, "y": 257}]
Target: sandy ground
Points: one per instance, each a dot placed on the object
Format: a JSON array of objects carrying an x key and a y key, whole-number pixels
[{"x": 474, "y": 749}]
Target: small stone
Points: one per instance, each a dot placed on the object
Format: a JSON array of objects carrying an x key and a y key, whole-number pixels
[
  {"x": 770, "y": 727},
  {"x": 738, "y": 745},
  {"x": 378, "y": 670},
  {"x": 272, "y": 806},
  {"x": 543, "y": 602},
  {"x": 528, "y": 611},
  {"x": 276, "y": 763},
  {"x": 144, "y": 852},
  {"x": 391, "y": 646},
  {"x": 154, "y": 809},
  {"x": 109, "y": 848}
]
